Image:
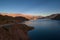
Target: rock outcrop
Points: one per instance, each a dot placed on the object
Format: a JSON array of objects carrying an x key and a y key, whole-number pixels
[{"x": 15, "y": 32}]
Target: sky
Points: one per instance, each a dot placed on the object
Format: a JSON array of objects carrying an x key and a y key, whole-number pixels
[{"x": 33, "y": 7}]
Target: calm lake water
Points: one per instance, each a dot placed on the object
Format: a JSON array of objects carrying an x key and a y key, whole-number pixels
[{"x": 44, "y": 29}]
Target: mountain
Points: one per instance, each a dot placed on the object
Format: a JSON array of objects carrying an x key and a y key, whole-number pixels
[
  {"x": 5, "y": 19},
  {"x": 54, "y": 17},
  {"x": 15, "y": 15},
  {"x": 30, "y": 17}
]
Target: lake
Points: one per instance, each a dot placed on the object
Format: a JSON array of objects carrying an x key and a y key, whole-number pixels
[{"x": 44, "y": 29}]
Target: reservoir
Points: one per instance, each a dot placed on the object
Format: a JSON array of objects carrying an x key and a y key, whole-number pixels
[{"x": 44, "y": 29}]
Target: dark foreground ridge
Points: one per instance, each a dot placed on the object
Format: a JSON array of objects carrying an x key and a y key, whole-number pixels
[{"x": 15, "y": 32}]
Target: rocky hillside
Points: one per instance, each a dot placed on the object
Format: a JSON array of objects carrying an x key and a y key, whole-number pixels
[
  {"x": 4, "y": 19},
  {"x": 15, "y": 15},
  {"x": 30, "y": 17},
  {"x": 54, "y": 17}
]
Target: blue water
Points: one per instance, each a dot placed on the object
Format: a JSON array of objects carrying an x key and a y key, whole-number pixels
[{"x": 44, "y": 29}]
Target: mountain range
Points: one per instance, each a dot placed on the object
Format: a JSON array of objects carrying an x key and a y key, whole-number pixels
[
  {"x": 23, "y": 15},
  {"x": 53, "y": 17}
]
